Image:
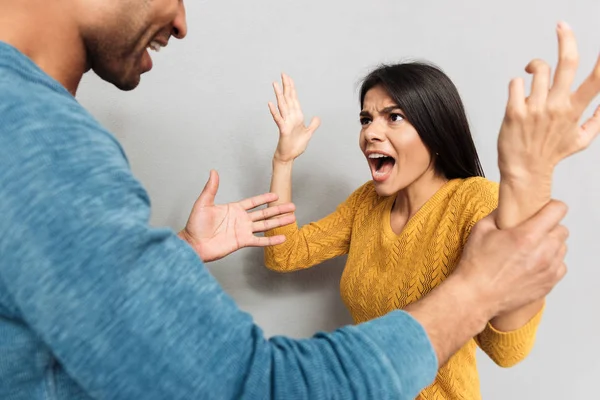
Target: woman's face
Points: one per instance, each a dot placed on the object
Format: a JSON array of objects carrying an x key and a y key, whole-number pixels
[{"x": 394, "y": 150}]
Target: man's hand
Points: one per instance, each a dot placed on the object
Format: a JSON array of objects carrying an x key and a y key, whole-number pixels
[
  {"x": 510, "y": 268},
  {"x": 499, "y": 271},
  {"x": 215, "y": 231}
]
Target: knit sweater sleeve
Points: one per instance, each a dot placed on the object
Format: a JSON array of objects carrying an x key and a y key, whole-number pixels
[
  {"x": 95, "y": 302},
  {"x": 317, "y": 241},
  {"x": 129, "y": 311},
  {"x": 506, "y": 349}
]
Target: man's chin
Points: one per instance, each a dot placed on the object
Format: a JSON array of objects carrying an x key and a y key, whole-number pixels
[
  {"x": 127, "y": 86},
  {"x": 124, "y": 82}
]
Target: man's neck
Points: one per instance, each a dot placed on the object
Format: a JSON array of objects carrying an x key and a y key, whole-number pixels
[{"x": 47, "y": 36}]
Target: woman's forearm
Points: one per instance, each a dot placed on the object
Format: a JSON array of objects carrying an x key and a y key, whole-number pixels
[
  {"x": 521, "y": 198},
  {"x": 281, "y": 181}
]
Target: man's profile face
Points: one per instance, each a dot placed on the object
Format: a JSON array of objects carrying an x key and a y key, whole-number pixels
[{"x": 119, "y": 35}]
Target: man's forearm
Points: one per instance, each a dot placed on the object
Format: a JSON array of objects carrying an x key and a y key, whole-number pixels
[
  {"x": 451, "y": 314},
  {"x": 387, "y": 358}
]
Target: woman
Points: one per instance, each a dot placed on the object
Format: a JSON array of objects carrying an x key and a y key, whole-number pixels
[{"x": 404, "y": 230}]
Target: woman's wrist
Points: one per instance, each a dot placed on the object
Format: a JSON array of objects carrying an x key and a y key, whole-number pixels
[
  {"x": 277, "y": 161},
  {"x": 520, "y": 174},
  {"x": 521, "y": 196}
]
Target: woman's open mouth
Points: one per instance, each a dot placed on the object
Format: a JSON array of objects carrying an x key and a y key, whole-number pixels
[{"x": 381, "y": 166}]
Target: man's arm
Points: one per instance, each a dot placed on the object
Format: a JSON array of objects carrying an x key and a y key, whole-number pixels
[
  {"x": 131, "y": 312},
  {"x": 499, "y": 271}
]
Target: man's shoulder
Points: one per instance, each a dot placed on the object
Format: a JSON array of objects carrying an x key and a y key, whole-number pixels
[
  {"x": 30, "y": 103},
  {"x": 51, "y": 147},
  {"x": 43, "y": 122}
]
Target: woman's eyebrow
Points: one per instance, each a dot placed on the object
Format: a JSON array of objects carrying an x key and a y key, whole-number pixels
[{"x": 386, "y": 110}]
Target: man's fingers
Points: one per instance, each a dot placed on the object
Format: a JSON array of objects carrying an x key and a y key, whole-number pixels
[
  {"x": 256, "y": 201},
  {"x": 271, "y": 212},
  {"x": 558, "y": 267},
  {"x": 260, "y": 241},
  {"x": 560, "y": 233},
  {"x": 538, "y": 226},
  {"x": 561, "y": 271},
  {"x": 268, "y": 224},
  {"x": 207, "y": 197}
]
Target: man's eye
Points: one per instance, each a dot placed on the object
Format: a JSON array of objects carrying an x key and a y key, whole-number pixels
[{"x": 364, "y": 120}]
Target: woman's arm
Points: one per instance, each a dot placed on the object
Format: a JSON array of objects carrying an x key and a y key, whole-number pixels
[
  {"x": 316, "y": 242},
  {"x": 537, "y": 133},
  {"x": 293, "y": 137},
  {"x": 506, "y": 349}
]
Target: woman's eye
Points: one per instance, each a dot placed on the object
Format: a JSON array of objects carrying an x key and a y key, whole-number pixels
[
  {"x": 364, "y": 120},
  {"x": 396, "y": 117}
]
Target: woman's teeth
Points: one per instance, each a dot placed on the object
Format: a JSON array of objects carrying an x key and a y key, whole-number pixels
[
  {"x": 381, "y": 164},
  {"x": 377, "y": 155}
]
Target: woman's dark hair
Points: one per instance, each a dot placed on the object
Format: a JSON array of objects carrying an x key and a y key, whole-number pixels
[{"x": 432, "y": 105}]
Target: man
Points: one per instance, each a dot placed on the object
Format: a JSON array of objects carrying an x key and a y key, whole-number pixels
[{"x": 94, "y": 303}]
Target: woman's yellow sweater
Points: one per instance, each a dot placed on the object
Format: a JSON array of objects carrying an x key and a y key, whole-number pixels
[{"x": 385, "y": 271}]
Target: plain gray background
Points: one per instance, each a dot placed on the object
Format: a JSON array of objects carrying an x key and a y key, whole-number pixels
[{"x": 205, "y": 106}]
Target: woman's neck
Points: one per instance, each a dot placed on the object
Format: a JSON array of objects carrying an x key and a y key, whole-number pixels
[{"x": 410, "y": 199}]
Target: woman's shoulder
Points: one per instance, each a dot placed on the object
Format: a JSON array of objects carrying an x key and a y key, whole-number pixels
[
  {"x": 365, "y": 197},
  {"x": 477, "y": 187},
  {"x": 475, "y": 195},
  {"x": 478, "y": 184}
]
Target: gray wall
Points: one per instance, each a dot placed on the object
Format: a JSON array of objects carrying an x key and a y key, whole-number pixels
[{"x": 205, "y": 106}]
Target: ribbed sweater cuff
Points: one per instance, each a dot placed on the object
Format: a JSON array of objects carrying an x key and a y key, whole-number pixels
[{"x": 512, "y": 338}]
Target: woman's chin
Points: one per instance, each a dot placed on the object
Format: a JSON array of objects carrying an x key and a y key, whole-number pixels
[{"x": 385, "y": 188}]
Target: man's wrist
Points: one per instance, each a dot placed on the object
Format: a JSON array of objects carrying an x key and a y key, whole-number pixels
[
  {"x": 469, "y": 298},
  {"x": 452, "y": 314},
  {"x": 185, "y": 236}
]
